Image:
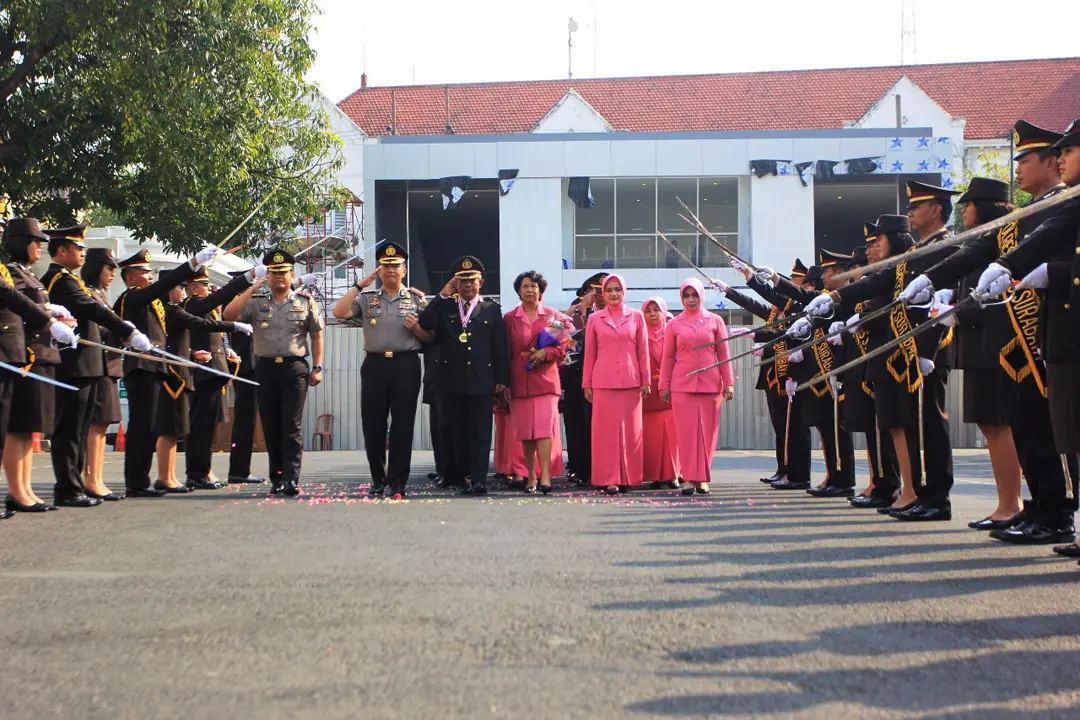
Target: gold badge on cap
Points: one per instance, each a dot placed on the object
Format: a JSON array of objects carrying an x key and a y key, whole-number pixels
[
  {"x": 146, "y": 255},
  {"x": 909, "y": 191},
  {"x": 390, "y": 251},
  {"x": 278, "y": 257},
  {"x": 466, "y": 264},
  {"x": 1016, "y": 136}
]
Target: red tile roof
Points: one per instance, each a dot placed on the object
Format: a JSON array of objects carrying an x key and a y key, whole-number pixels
[{"x": 991, "y": 96}]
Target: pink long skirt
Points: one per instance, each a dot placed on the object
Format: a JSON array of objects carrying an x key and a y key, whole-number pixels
[
  {"x": 660, "y": 459},
  {"x": 617, "y": 438},
  {"x": 697, "y": 424},
  {"x": 535, "y": 418},
  {"x": 510, "y": 454}
]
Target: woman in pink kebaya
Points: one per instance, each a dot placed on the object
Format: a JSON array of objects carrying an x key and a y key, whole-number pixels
[{"x": 660, "y": 463}]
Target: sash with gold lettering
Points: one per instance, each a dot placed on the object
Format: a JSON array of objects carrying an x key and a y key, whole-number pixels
[
  {"x": 1017, "y": 358},
  {"x": 862, "y": 341},
  {"x": 824, "y": 358},
  {"x": 771, "y": 374},
  {"x": 903, "y": 364}
]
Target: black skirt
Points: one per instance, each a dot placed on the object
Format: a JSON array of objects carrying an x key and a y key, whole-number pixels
[
  {"x": 984, "y": 399},
  {"x": 33, "y": 407},
  {"x": 1063, "y": 388},
  {"x": 895, "y": 407},
  {"x": 857, "y": 408},
  {"x": 173, "y": 414},
  {"x": 106, "y": 409}
]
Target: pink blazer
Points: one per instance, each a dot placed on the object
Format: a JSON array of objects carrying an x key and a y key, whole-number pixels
[
  {"x": 653, "y": 402},
  {"x": 520, "y": 337},
  {"x": 616, "y": 351},
  {"x": 682, "y": 334}
]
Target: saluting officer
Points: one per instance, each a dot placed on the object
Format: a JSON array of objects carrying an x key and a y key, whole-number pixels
[
  {"x": 142, "y": 305},
  {"x": 283, "y": 320},
  {"x": 390, "y": 375},
  {"x": 473, "y": 367}
]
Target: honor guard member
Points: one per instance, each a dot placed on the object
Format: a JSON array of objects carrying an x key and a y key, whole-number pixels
[
  {"x": 142, "y": 304},
  {"x": 390, "y": 376},
  {"x": 473, "y": 366},
  {"x": 15, "y": 308},
  {"x": 283, "y": 320},
  {"x": 207, "y": 398},
  {"x": 244, "y": 402}
]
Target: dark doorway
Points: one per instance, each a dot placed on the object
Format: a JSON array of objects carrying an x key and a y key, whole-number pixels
[{"x": 842, "y": 203}]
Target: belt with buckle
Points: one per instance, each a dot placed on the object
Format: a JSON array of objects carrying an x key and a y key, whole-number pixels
[
  {"x": 281, "y": 358},
  {"x": 393, "y": 353}
]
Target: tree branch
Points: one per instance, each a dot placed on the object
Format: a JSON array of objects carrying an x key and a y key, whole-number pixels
[{"x": 25, "y": 69}]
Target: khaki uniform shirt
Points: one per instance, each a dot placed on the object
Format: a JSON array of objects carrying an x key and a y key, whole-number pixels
[
  {"x": 383, "y": 317},
  {"x": 281, "y": 329}
]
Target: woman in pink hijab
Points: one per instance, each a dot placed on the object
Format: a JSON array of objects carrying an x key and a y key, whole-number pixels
[
  {"x": 615, "y": 379},
  {"x": 660, "y": 463},
  {"x": 695, "y": 399}
]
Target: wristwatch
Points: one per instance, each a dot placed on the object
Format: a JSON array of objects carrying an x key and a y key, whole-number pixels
[
  {"x": 357, "y": 286},
  {"x": 316, "y": 368}
]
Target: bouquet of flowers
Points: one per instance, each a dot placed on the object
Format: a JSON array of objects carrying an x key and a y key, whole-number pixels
[{"x": 557, "y": 331}]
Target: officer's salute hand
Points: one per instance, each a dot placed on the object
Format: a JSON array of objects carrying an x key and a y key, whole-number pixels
[{"x": 450, "y": 288}]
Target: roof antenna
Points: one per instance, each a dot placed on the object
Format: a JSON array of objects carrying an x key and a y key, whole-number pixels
[{"x": 571, "y": 28}]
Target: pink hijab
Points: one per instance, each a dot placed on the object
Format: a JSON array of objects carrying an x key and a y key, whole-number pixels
[
  {"x": 699, "y": 287},
  {"x": 614, "y": 310},
  {"x": 656, "y": 332}
]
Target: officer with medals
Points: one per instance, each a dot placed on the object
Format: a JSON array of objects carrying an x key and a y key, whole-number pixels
[
  {"x": 283, "y": 321},
  {"x": 473, "y": 367},
  {"x": 390, "y": 376}
]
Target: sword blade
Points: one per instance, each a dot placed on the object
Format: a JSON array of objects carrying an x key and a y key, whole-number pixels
[
  {"x": 38, "y": 378},
  {"x": 870, "y": 316},
  {"x": 181, "y": 361}
]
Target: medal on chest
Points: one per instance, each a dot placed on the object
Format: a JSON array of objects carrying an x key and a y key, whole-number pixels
[{"x": 464, "y": 316}]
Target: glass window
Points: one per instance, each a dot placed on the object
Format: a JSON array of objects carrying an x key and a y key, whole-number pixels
[
  {"x": 713, "y": 256},
  {"x": 594, "y": 251},
  {"x": 635, "y": 206},
  {"x": 718, "y": 205},
  {"x": 339, "y": 271},
  {"x": 600, "y": 218},
  {"x": 668, "y": 194},
  {"x": 636, "y": 251},
  {"x": 666, "y": 257}
]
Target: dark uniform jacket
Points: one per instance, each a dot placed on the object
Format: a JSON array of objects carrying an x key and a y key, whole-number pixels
[
  {"x": 476, "y": 366},
  {"x": 39, "y": 342},
  {"x": 202, "y": 336},
  {"x": 768, "y": 313},
  {"x": 1057, "y": 243},
  {"x": 179, "y": 326},
  {"x": 14, "y": 309},
  {"x": 144, "y": 308},
  {"x": 114, "y": 362},
  {"x": 93, "y": 315}
]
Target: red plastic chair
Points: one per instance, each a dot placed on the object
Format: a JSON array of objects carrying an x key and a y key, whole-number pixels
[{"x": 324, "y": 432}]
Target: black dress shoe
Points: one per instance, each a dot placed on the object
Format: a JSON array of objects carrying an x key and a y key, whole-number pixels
[
  {"x": 786, "y": 484},
  {"x": 890, "y": 509},
  {"x": 474, "y": 490},
  {"x": 79, "y": 501},
  {"x": 830, "y": 491},
  {"x": 5, "y": 514},
  {"x": 922, "y": 513},
  {"x": 177, "y": 490},
  {"x": 291, "y": 488},
  {"x": 144, "y": 493},
  {"x": 500, "y": 476},
  {"x": 1072, "y": 550},
  {"x": 107, "y": 497},
  {"x": 433, "y": 476},
  {"x": 204, "y": 483},
  {"x": 11, "y": 505},
  {"x": 250, "y": 479},
  {"x": 446, "y": 483},
  {"x": 775, "y": 476},
  {"x": 870, "y": 502},
  {"x": 1034, "y": 534},
  {"x": 991, "y": 524},
  {"x": 276, "y": 488}
]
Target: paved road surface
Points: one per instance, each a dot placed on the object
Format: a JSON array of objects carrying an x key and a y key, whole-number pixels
[{"x": 748, "y": 603}]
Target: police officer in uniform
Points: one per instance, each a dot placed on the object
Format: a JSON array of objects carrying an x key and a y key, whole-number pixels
[
  {"x": 244, "y": 403},
  {"x": 283, "y": 320},
  {"x": 209, "y": 391},
  {"x": 577, "y": 412},
  {"x": 142, "y": 304},
  {"x": 473, "y": 366},
  {"x": 390, "y": 376}
]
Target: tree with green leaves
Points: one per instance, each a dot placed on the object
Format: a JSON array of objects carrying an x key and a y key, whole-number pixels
[{"x": 176, "y": 116}]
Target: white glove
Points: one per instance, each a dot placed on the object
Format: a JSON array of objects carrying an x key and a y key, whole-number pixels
[
  {"x": 836, "y": 327},
  {"x": 57, "y": 311},
  {"x": 994, "y": 281},
  {"x": 206, "y": 255},
  {"x": 737, "y": 265},
  {"x": 799, "y": 328},
  {"x": 308, "y": 279},
  {"x": 758, "y": 349},
  {"x": 260, "y": 271},
  {"x": 1037, "y": 279},
  {"x": 243, "y": 327},
  {"x": 721, "y": 285},
  {"x": 944, "y": 297},
  {"x": 789, "y": 386},
  {"x": 918, "y": 291},
  {"x": 851, "y": 323},
  {"x": 63, "y": 334},
  {"x": 140, "y": 343},
  {"x": 821, "y": 306},
  {"x": 233, "y": 356},
  {"x": 837, "y": 385},
  {"x": 926, "y": 366},
  {"x": 796, "y": 356},
  {"x": 765, "y": 274}
]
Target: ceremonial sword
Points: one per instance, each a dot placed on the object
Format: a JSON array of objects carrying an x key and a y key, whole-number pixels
[
  {"x": 40, "y": 378},
  {"x": 186, "y": 363},
  {"x": 825, "y": 338}
]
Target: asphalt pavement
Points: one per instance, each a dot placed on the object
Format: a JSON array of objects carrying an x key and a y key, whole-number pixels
[{"x": 745, "y": 603}]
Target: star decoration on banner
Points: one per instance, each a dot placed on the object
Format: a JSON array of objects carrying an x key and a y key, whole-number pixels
[
  {"x": 924, "y": 143},
  {"x": 943, "y": 164},
  {"x": 898, "y": 166},
  {"x": 783, "y": 168},
  {"x": 947, "y": 183},
  {"x": 943, "y": 141},
  {"x": 924, "y": 166},
  {"x": 897, "y": 144}
]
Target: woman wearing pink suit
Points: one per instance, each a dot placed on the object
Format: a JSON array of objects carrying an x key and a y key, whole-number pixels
[
  {"x": 534, "y": 394},
  {"x": 660, "y": 459},
  {"x": 695, "y": 399},
  {"x": 615, "y": 379}
]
